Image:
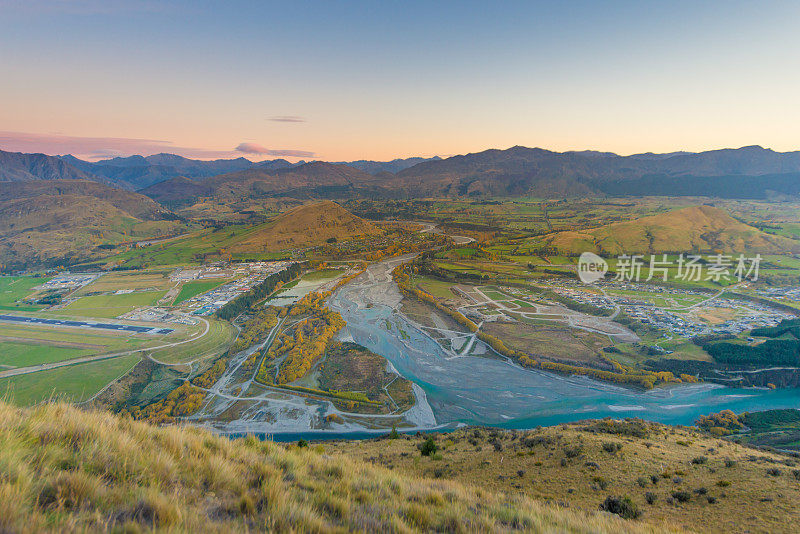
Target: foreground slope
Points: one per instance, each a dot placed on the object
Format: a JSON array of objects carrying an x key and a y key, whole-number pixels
[
  {"x": 677, "y": 474},
  {"x": 62, "y": 469},
  {"x": 692, "y": 229}
]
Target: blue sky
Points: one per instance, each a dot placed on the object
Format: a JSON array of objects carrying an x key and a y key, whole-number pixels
[{"x": 390, "y": 79}]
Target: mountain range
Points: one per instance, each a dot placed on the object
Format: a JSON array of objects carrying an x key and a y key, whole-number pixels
[{"x": 748, "y": 172}]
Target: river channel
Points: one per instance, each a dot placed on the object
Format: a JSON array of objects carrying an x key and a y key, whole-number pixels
[{"x": 491, "y": 391}]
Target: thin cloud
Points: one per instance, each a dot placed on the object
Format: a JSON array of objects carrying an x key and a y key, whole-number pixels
[
  {"x": 94, "y": 148},
  {"x": 287, "y": 118},
  {"x": 253, "y": 148}
]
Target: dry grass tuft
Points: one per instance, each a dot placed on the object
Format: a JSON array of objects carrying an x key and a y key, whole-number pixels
[{"x": 62, "y": 469}]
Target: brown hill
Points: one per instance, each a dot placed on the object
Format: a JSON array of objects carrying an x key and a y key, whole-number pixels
[
  {"x": 54, "y": 222},
  {"x": 135, "y": 204},
  {"x": 693, "y": 229},
  {"x": 177, "y": 191},
  {"x": 309, "y": 225}
]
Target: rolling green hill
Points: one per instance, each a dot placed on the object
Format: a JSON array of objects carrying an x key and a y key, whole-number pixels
[{"x": 692, "y": 229}]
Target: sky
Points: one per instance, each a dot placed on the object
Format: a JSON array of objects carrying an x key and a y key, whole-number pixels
[{"x": 340, "y": 81}]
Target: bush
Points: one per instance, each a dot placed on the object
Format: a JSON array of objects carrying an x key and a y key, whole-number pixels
[
  {"x": 774, "y": 472},
  {"x": 642, "y": 481},
  {"x": 650, "y": 497},
  {"x": 428, "y": 448},
  {"x": 611, "y": 447},
  {"x": 622, "y": 506},
  {"x": 681, "y": 496},
  {"x": 699, "y": 460},
  {"x": 573, "y": 452},
  {"x": 724, "y": 483}
]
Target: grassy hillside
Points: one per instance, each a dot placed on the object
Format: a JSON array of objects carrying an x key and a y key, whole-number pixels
[
  {"x": 694, "y": 480},
  {"x": 48, "y": 222},
  {"x": 62, "y": 469},
  {"x": 692, "y": 229},
  {"x": 308, "y": 225}
]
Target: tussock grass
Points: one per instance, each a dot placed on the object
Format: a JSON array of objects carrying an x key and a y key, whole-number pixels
[
  {"x": 661, "y": 475},
  {"x": 63, "y": 469}
]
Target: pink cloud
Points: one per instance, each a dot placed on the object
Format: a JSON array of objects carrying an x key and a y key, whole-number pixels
[
  {"x": 254, "y": 148},
  {"x": 287, "y": 118},
  {"x": 95, "y": 148}
]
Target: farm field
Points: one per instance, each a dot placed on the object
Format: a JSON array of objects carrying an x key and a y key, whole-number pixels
[
  {"x": 191, "y": 289},
  {"x": 157, "y": 280},
  {"x": 108, "y": 306},
  {"x": 15, "y": 354},
  {"x": 73, "y": 383},
  {"x": 13, "y": 288}
]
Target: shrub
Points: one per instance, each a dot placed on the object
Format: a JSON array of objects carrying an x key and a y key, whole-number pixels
[
  {"x": 654, "y": 479},
  {"x": 681, "y": 496},
  {"x": 730, "y": 463},
  {"x": 428, "y": 447},
  {"x": 774, "y": 472},
  {"x": 622, "y": 506},
  {"x": 724, "y": 483},
  {"x": 601, "y": 482},
  {"x": 635, "y": 428},
  {"x": 573, "y": 452},
  {"x": 611, "y": 447},
  {"x": 650, "y": 497},
  {"x": 642, "y": 481},
  {"x": 699, "y": 460}
]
